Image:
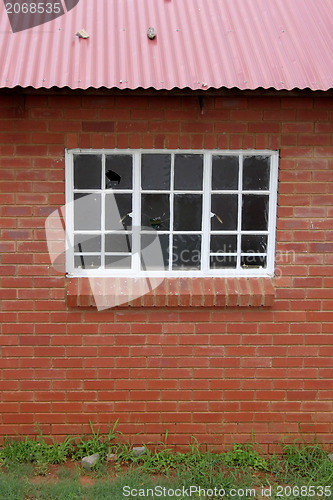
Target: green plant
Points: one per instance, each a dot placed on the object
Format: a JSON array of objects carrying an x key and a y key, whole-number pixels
[
  {"x": 245, "y": 455},
  {"x": 96, "y": 443},
  {"x": 37, "y": 451}
]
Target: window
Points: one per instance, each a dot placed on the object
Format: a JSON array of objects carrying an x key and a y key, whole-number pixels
[{"x": 171, "y": 213}]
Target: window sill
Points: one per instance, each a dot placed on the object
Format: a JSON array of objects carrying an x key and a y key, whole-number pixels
[{"x": 172, "y": 292}]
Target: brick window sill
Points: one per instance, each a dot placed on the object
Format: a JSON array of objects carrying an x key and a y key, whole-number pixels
[{"x": 172, "y": 292}]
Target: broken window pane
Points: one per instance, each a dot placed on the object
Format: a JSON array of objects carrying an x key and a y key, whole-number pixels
[
  {"x": 118, "y": 172},
  {"x": 223, "y": 261},
  {"x": 87, "y": 171},
  {"x": 87, "y": 261},
  {"x": 118, "y": 262},
  {"x": 151, "y": 259},
  {"x": 224, "y": 210},
  {"x": 254, "y": 243},
  {"x": 87, "y": 212},
  {"x": 225, "y": 172},
  {"x": 255, "y": 212},
  {"x": 223, "y": 243},
  {"x": 253, "y": 261},
  {"x": 256, "y": 173},
  {"x": 155, "y": 171},
  {"x": 155, "y": 211},
  {"x": 118, "y": 208},
  {"x": 118, "y": 243},
  {"x": 186, "y": 252},
  {"x": 188, "y": 172},
  {"x": 187, "y": 212},
  {"x": 87, "y": 243}
]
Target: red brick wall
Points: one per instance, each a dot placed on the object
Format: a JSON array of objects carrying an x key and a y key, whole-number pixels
[{"x": 215, "y": 373}]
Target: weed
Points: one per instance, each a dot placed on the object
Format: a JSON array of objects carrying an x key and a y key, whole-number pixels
[
  {"x": 245, "y": 455},
  {"x": 96, "y": 443},
  {"x": 36, "y": 451}
]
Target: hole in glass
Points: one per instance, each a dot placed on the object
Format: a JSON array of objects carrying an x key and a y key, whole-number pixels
[
  {"x": 118, "y": 171},
  {"x": 155, "y": 211}
]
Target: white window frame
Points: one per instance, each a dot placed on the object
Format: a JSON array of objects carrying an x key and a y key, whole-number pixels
[{"x": 268, "y": 271}]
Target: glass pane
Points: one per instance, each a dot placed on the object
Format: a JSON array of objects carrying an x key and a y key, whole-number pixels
[
  {"x": 186, "y": 252},
  {"x": 118, "y": 262},
  {"x": 153, "y": 260},
  {"x": 188, "y": 172},
  {"x": 255, "y": 212},
  {"x": 87, "y": 243},
  {"x": 225, "y": 172},
  {"x": 226, "y": 243},
  {"x": 155, "y": 211},
  {"x": 256, "y": 172},
  {"x": 87, "y": 171},
  {"x": 253, "y": 261},
  {"x": 87, "y": 261},
  {"x": 223, "y": 261},
  {"x": 87, "y": 212},
  {"x": 155, "y": 171},
  {"x": 187, "y": 212},
  {"x": 224, "y": 210},
  {"x": 118, "y": 208},
  {"x": 118, "y": 243},
  {"x": 118, "y": 172},
  {"x": 254, "y": 243}
]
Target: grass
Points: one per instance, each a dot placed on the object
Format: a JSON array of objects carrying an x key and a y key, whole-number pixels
[{"x": 36, "y": 469}]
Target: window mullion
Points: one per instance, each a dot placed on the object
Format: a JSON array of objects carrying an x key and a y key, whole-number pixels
[
  {"x": 206, "y": 204},
  {"x": 103, "y": 214},
  {"x": 136, "y": 213},
  {"x": 239, "y": 220},
  {"x": 171, "y": 201}
]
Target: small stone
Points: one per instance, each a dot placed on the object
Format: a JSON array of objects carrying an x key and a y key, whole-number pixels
[
  {"x": 112, "y": 457},
  {"x": 330, "y": 457},
  {"x": 151, "y": 33},
  {"x": 89, "y": 463},
  {"x": 139, "y": 450}
]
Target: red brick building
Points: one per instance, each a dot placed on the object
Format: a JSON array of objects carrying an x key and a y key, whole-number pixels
[{"x": 221, "y": 347}]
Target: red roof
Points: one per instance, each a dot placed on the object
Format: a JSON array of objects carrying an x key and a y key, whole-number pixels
[{"x": 200, "y": 44}]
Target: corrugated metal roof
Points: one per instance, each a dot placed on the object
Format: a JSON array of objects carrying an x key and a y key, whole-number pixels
[{"x": 200, "y": 44}]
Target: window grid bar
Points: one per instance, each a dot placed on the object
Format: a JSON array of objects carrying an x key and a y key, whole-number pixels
[
  {"x": 171, "y": 202},
  {"x": 136, "y": 210},
  {"x": 239, "y": 214},
  {"x": 103, "y": 214},
  {"x": 206, "y": 204}
]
